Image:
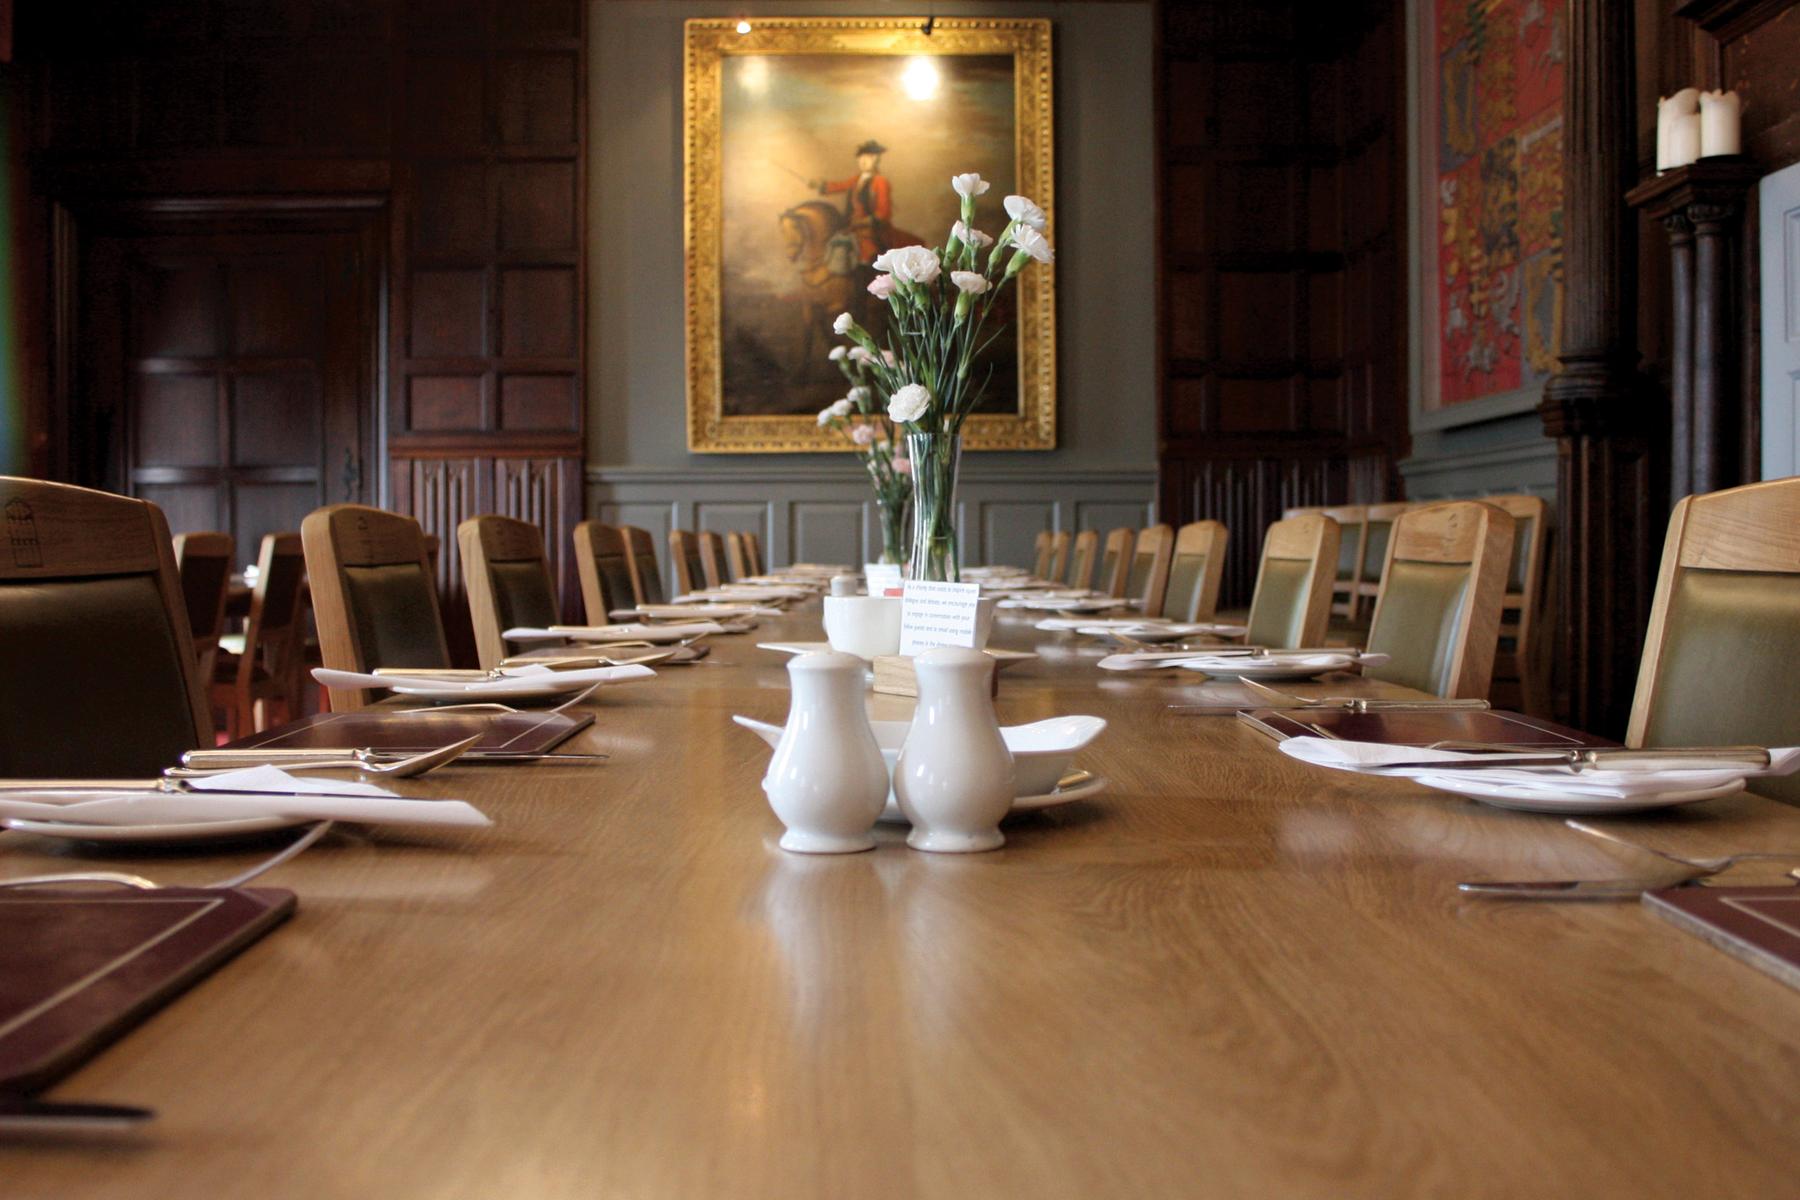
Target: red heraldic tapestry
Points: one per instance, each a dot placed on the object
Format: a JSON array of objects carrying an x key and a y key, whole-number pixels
[{"x": 1490, "y": 177}]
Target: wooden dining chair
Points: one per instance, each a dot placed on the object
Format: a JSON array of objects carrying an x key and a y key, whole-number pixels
[
  {"x": 1115, "y": 562},
  {"x": 1291, "y": 605},
  {"x": 1378, "y": 528},
  {"x": 737, "y": 556},
  {"x": 646, "y": 580},
  {"x": 753, "y": 554},
  {"x": 374, "y": 596},
  {"x": 1041, "y": 553},
  {"x": 264, "y": 662},
  {"x": 98, "y": 676},
  {"x": 1059, "y": 555},
  {"x": 1195, "y": 572},
  {"x": 1521, "y": 665},
  {"x": 507, "y": 578},
  {"x": 712, "y": 558},
  {"x": 204, "y": 562},
  {"x": 1302, "y": 510},
  {"x": 1438, "y": 615},
  {"x": 1148, "y": 577},
  {"x": 1724, "y": 634},
  {"x": 1353, "y": 527},
  {"x": 1081, "y": 562},
  {"x": 603, "y": 567},
  {"x": 684, "y": 560}
]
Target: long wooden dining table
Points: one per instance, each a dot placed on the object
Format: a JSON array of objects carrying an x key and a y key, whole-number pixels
[{"x": 1227, "y": 975}]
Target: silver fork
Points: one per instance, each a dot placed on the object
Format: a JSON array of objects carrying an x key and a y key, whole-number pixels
[
  {"x": 1711, "y": 866},
  {"x": 496, "y": 706},
  {"x": 360, "y": 760}
]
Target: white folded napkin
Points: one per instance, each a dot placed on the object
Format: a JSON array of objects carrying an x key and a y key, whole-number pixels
[
  {"x": 678, "y": 611},
  {"x": 735, "y": 592},
  {"x": 230, "y": 796},
  {"x": 1367, "y": 757},
  {"x": 511, "y": 678},
  {"x": 1250, "y": 664},
  {"x": 630, "y": 631}
]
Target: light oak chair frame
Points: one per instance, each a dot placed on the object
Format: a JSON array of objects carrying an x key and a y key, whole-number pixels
[
  {"x": 1118, "y": 547},
  {"x": 207, "y": 627},
  {"x": 1369, "y": 574},
  {"x": 1310, "y": 537},
  {"x": 1059, "y": 554},
  {"x": 244, "y": 694},
  {"x": 1523, "y": 611},
  {"x": 59, "y": 531},
  {"x": 353, "y": 535},
  {"x": 595, "y": 540},
  {"x": 737, "y": 556},
  {"x": 485, "y": 541},
  {"x": 1158, "y": 541},
  {"x": 1212, "y": 539},
  {"x": 1353, "y": 526},
  {"x": 712, "y": 558},
  {"x": 753, "y": 554},
  {"x": 685, "y": 562},
  {"x": 1041, "y": 552},
  {"x": 1081, "y": 565},
  {"x": 1460, "y": 532}
]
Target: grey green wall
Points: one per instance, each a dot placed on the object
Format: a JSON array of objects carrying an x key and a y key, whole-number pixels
[{"x": 814, "y": 506}]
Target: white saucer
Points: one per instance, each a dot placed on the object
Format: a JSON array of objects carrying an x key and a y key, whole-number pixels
[
  {"x": 1051, "y": 799},
  {"x": 1523, "y": 798},
  {"x": 1158, "y": 631},
  {"x": 187, "y": 831},
  {"x": 1251, "y": 667}
]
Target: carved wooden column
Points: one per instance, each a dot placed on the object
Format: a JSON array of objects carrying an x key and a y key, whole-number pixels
[
  {"x": 1606, "y": 522},
  {"x": 1702, "y": 205}
]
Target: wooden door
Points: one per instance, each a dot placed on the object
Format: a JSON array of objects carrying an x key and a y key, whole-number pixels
[{"x": 228, "y": 373}]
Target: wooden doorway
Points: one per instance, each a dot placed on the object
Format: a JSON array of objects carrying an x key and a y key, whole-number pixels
[{"x": 223, "y": 359}]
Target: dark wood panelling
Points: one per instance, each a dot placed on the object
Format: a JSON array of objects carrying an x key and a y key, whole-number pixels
[{"x": 1282, "y": 339}]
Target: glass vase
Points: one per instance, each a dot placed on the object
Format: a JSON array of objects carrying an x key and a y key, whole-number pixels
[
  {"x": 935, "y": 457},
  {"x": 893, "y": 529}
]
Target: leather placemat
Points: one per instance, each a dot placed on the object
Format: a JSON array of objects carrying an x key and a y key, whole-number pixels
[
  {"x": 78, "y": 967},
  {"x": 419, "y": 730},
  {"x": 1760, "y": 925}
]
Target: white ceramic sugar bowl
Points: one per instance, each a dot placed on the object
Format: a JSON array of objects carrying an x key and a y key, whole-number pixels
[
  {"x": 826, "y": 780},
  {"x": 954, "y": 778}
]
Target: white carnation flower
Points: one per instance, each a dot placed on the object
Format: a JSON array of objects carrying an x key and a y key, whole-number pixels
[
  {"x": 1025, "y": 212},
  {"x": 969, "y": 185},
  {"x": 911, "y": 264},
  {"x": 970, "y": 235},
  {"x": 1033, "y": 243},
  {"x": 839, "y": 408},
  {"x": 972, "y": 282},
  {"x": 838, "y": 353},
  {"x": 825, "y": 415},
  {"x": 844, "y": 324},
  {"x": 909, "y": 403}
]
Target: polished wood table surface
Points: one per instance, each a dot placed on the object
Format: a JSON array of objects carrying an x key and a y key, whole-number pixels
[{"x": 1229, "y": 975}]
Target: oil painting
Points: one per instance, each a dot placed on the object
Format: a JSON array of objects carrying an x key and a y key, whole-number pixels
[{"x": 814, "y": 146}]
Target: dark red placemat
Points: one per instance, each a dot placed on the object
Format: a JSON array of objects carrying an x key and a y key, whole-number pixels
[
  {"x": 415, "y": 732},
  {"x": 1760, "y": 925}
]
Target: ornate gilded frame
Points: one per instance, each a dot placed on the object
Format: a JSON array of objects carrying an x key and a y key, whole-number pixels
[{"x": 708, "y": 41}]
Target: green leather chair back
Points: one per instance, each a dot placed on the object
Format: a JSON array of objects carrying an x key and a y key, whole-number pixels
[
  {"x": 91, "y": 679},
  {"x": 696, "y": 573},
  {"x": 1422, "y": 607},
  {"x": 1521, "y": 555},
  {"x": 1081, "y": 560},
  {"x": 522, "y": 593},
  {"x": 1138, "y": 578},
  {"x": 1375, "y": 544},
  {"x": 615, "y": 581},
  {"x": 649, "y": 577},
  {"x": 1347, "y": 551},
  {"x": 1109, "y": 562},
  {"x": 1726, "y": 673},
  {"x": 1278, "y": 610},
  {"x": 1186, "y": 574},
  {"x": 395, "y": 611}
]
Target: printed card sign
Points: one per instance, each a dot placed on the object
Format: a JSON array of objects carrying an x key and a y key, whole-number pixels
[
  {"x": 938, "y": 614},
  {"x": 881, "y": 577}
]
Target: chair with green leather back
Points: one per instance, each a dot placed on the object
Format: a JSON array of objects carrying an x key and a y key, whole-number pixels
[
  {"x": 1378, "y": 528},
  {"x": 374, "y": 596},
  {"x": 1148, "y": 577},
  {"x": 1443, "y": 583},
  {"x": 1292, "y": 601},
  {"x": 507, "y": 579},
  {"x": 263, "y": 662},
  {"x": 1059, "y": 555},
  {"x": 603, "y": 564},
  {"x": 1081, "y": 561},
  {"x": 646, "y": 580},
  {"x": 1040, "y": 554},
  {"x": 1521, "y": 667},
  {"x": 714, "y": 571},
  {"x": 1115, "y": 562},
  {"x": 1718, "y": 665},
  {"x": 98, "y": 673},
  {"x": 203, "y": 562},
  {"x": 1195, "y": 572},
  {"x": 684, "y": 562},
  {"x": 1353, "y": 528}
]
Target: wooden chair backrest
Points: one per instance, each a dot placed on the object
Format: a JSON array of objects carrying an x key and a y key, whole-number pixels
[
  {"x": 273, "y": 632},
  {"x": 1081, "y": 564},
  {"x": 603, "y": 566},
  {"x": 1115, "y": 562},
  {"x": 684, "y": 561},
  {"x": 1059, "y": 554},
  {"x": 1292, "y": 602},
  {"x": 646, "y": 580},
  {"x": 1724, "y": 628},
  {"x": 1353, "y": 529},
  {"x": 204, "y": 562},
  {"x": 90, "y": 598},
  {"x": 1041, "y": 552},
  {"x": 1377, "y": 530},
  {"x": 1148, "y": 577},
  {"x": 1196, "y": 571},
  {"x": 1438, "y": 613},
  {"x": 375, "y": 597},
  {"x": 712, "y": 558},
  {"x": 737, "y": 555},
  {"x": 507, "y": 577}
]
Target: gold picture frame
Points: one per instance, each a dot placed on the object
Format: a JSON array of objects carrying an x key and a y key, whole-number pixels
[{"x": 718, "y": 423}]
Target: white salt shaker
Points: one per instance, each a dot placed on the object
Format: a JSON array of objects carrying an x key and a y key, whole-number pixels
[
  {"x": 954, "y": 780},
  {"x": 827, "y": 781}
]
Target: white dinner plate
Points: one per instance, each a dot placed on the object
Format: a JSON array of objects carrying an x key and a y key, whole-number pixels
[
  {"x": 1051, "y": 799},
  {"x": 1158, "y": 631},
  {"x": 185, "y": 831},
  {"x": 1272, "y": 668},
  {"x": 795, "y": 647},
  {"x": 1533, "y": 798}
]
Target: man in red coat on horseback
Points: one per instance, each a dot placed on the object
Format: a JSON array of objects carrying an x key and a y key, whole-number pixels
[{"x": 868, "y": 201}]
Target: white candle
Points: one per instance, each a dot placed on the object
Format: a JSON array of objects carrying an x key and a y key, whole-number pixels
[
  {"x": 1684, "y": 140},
  {"x": 1669, "y": 111},
  {"x": 1719, "y": 124}
]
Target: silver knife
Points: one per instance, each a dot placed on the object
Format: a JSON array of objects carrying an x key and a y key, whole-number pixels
[
  {"x": 1572, "y": 889},
  {"x": 213, "y": 759},
  {"x": 1700, "y": 758}
]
